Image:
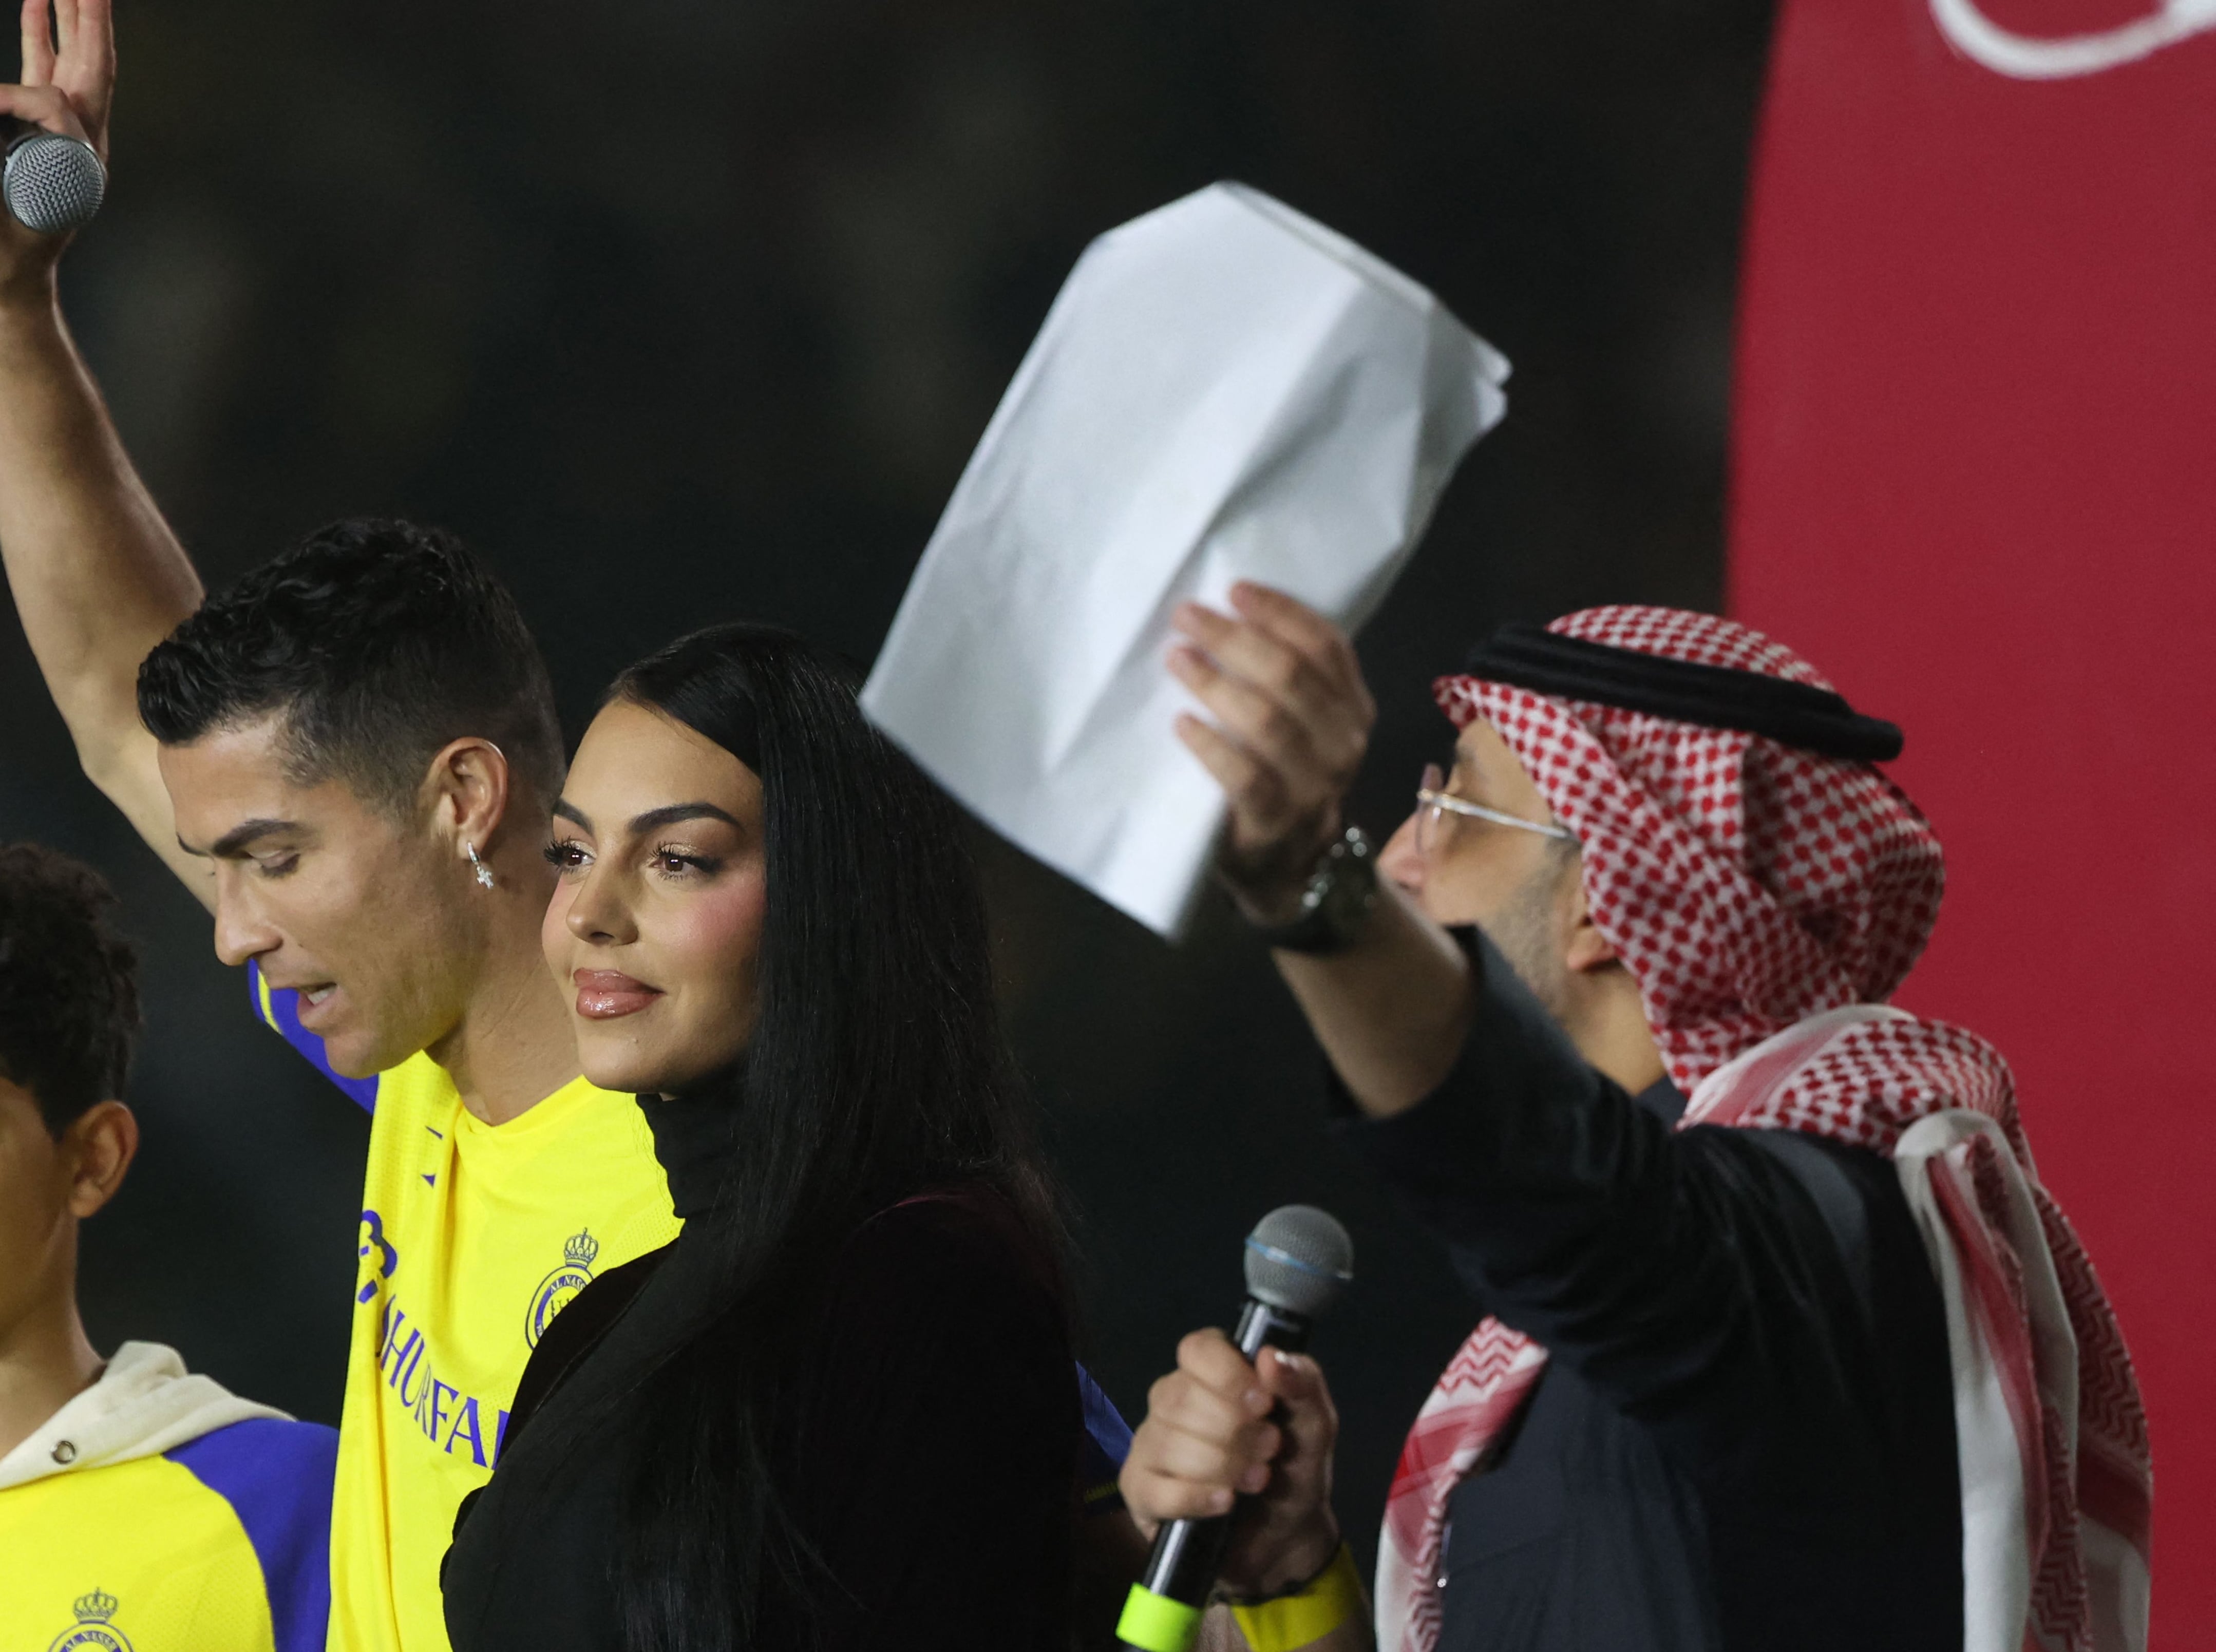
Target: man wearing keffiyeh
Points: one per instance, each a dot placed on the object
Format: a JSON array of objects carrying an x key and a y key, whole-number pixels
[{"x": 1784, "y": 1345}]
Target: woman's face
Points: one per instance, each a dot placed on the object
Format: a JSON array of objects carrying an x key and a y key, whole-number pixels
[{"x": 656, "y": 920}]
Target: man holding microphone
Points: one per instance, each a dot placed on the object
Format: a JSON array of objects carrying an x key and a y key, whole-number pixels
[{"x": 1756, "y": 1252}]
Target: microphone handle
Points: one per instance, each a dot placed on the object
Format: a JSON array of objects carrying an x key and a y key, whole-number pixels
[{"x": 1188, "y": 1554}]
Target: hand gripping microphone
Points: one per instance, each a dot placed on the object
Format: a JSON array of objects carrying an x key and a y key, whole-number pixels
[
  {"x": 1298, "y": 1261},
  {"x": 53, "y": 184}
]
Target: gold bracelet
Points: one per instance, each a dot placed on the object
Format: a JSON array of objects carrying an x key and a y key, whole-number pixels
[{"x": 1308, "y": 1614}]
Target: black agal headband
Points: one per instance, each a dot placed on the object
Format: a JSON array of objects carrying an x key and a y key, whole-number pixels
[{"x": 1715, "y": 696}]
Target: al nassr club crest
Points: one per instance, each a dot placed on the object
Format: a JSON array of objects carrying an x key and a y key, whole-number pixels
[
  {"x": 94, "y": 1631},
  {"x": 556, "y": 1290}
]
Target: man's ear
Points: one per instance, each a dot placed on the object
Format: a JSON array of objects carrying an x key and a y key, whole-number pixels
[
  {"x": 100, "y": 1144},
  {"x": 1588, "y": 949},
  {"x": 467, "y": 789}
]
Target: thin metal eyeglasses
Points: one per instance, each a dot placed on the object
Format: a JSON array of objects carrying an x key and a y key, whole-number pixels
[{"x": 1434, "y": 803}]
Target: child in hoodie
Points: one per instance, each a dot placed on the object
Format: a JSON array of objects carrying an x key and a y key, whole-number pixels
[{"x": 140, "y": 1507}]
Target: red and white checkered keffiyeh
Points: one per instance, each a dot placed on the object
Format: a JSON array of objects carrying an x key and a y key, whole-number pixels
[{"x": 1767, "y": 900}]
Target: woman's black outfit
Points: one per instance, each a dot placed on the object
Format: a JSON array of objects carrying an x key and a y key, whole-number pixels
[
  {"x": 1744, "y": 1434},
  {"x": 926, "y": 1432}
]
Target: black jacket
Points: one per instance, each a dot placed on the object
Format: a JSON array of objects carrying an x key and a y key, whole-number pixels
[
  {"x": 1743, "y": 1437},
  {"x": 928, "y": 1443}
]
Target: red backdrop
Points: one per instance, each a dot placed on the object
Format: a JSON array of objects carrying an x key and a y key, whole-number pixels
[{"x": 1975, "y": 480}]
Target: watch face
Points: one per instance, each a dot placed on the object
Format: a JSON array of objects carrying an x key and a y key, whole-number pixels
[{"x": 1347, "y": 899}]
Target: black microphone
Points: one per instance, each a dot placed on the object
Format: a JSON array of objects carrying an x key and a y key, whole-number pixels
[
  {"x": 51, "y": 183},
  {"x": 1298, "y": 1260}
]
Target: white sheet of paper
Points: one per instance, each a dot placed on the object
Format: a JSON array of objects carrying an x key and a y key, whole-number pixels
[{"x": 1224, "y": 390}]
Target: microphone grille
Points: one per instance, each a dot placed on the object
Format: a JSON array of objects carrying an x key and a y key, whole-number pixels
[
  {"x": 1299, "y": 1259},
  {"x": 53, "y": 184}
]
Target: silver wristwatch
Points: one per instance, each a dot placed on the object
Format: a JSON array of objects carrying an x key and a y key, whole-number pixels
[{"x": 1341, "y": 892}]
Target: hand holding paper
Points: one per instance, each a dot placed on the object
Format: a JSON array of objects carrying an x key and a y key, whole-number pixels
[
  {"x": 1291, "y": 721},
  {"x": 1224, "y": 389}
]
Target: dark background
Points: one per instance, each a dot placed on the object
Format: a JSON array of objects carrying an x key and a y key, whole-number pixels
[{"x": 682, "y": 309}]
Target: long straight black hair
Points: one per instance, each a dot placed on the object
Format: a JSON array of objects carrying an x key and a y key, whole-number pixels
[{"x": 876, "y": 1069}]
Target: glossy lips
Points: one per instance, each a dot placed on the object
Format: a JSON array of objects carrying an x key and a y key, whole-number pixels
[{"x": 605, "y": 994}]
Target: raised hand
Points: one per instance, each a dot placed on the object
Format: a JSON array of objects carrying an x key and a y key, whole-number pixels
[
  {"x": 1292, "y": 722},
  {"x": 68, "y": 87}
]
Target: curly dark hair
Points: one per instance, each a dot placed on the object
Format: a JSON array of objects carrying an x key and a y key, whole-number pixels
[
  {"x": 379, "y": 641},
  {"x": 69, "y": 986}
]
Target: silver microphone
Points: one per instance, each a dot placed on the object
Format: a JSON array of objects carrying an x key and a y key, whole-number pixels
[
  {"x": 1299, "y": 1263},
  {"x": 53, "y": 184},
  {"x": 1299, "y": 1260}
]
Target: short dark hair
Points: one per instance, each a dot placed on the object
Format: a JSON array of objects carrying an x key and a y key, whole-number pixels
[
  {"x": 377, "y": 642},
  {"x": 69, "y": 987}
]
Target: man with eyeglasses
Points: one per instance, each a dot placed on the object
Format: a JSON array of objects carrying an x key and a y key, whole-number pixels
[{"x": 1785, "y": 1346}]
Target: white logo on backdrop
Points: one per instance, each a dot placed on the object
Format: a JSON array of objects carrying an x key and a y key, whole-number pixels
[{"x": 2058, "y": 56}]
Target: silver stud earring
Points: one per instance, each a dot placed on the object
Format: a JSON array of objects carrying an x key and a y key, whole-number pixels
[{"x": 483, "y": 872}]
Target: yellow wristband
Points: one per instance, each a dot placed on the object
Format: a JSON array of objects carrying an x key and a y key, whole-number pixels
[{"x": 1295, "y": 1621}]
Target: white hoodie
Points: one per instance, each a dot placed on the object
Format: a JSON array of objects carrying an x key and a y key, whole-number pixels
[{"x": 144, "y": 1402}]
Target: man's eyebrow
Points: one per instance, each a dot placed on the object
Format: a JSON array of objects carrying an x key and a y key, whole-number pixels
[
  {"x": 233, "y": 843},
  {"x": 654, "y": 819}
]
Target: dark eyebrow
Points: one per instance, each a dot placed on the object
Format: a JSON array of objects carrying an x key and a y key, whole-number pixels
[
  {"x": 654, "y": 819},
  {"x": 233, "y": 843}
]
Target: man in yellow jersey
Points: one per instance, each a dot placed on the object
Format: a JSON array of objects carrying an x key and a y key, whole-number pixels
[
  {"x": 360, "y": 743},
  {"x": 140, "y": 1507},
  {"x": 350, "y": 757}
]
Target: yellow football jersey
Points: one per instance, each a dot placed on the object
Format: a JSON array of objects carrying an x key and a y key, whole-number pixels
[
  {"x": 473, "y": 1237},
  {"x": 217, "y": 1546}
]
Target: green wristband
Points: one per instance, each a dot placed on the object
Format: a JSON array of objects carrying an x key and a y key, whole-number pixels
[{"x": 1154, "y": 1623}]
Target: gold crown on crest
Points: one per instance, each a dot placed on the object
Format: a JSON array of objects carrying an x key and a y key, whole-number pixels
[
  {"x": 580, "y": 1247},
  {"x": 96, "y": 1607}
]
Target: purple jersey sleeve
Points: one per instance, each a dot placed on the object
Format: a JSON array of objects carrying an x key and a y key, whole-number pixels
[
  {"x": 277, "y": 1476},
  {"x": 1107, "y": 1443},
  {"x": 280, "y": 1010}
]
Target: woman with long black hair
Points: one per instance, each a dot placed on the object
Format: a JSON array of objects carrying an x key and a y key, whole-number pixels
[{"x": 840, "y": 1411}]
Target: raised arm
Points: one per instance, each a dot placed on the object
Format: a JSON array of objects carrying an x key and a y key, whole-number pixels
[
  {"x": 1673, "y": 1267},
  {"x": 1293, "y": 720},
  {"x": 98, "y": 577}
]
